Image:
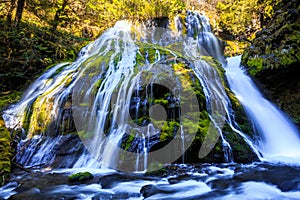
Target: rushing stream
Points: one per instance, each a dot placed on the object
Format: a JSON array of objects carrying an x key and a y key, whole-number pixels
[{"x": 126, "y": 109}]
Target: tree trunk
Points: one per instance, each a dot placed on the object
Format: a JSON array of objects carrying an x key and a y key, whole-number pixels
[
  {"x": 20, "y": 8},
  {"x": 261, "y": 19},
  {"x": 11, "y": 9}
]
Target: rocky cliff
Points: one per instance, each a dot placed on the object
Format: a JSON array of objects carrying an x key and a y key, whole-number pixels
[{"x": 274, "y": 58}]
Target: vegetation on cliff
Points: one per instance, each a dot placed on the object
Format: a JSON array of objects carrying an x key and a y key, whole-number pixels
[{"x": 274, "y": 58}]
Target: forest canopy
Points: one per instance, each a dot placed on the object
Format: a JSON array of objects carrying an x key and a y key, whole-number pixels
[
  {"x": 77, "y": 15},
  {"x": 36, "y": 34},
  {"x": 91, "y": 17}
]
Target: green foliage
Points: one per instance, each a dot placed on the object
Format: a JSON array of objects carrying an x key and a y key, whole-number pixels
[
  {"x": 244, "y": 17},
  {"x": 274, "y": 57},
  {"x": 236, "y": 47},
  {"x": 168, "y": 130},
  {"x": 256, "y": 64},
  {"x": 111, "y": 11},
  {"x": 52, "y": 31},
  {"x": 28, "y": 49},
  {"x": 277, "y": 46},
  {"x": 242, "y": 153},
  {"x": 236, "y": 16}
]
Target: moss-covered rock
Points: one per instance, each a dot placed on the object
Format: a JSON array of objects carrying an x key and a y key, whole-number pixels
[
  {"x": 171, "y": 64},
  {"x": 170, "y": 127},
  {"x": 80, "y": 177},
  {"x": 5, "y": 152},
  {"x": 274, "y": 58}
]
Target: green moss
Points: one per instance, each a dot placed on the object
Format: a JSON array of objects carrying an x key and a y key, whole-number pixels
[
  {"x": 97, "y": 85},
  {"x": 233, "y": 48},
  {"x": 242, "y": 153},
  {"x": 58, "y": 70},
  {"x": 5, "y": 152},
  {"x": 178, "y": 66},
  {"x": 168, "y": 130},
  {"x": 276, "y": 46},
  {"x": 80, "y": 177},
  {"x": 255, "y": 64},
  {"x": 40, "y": 118},
  {"x": 86, "y": 135},
  {"x": 286, "y": 59},
  {"x": 212, "y": 62},
  {"x": 161, "y": 102},
  {"x": 127, "y": 143},
  {"x": 156, "y": 169}
]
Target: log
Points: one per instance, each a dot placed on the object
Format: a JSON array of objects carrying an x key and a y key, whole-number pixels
[{"x": 20, "y": 167}]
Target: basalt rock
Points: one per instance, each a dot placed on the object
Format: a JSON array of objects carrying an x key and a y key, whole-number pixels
[{"x": 274, "y": 58}]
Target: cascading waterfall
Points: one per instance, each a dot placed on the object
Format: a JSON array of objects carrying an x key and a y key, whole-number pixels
[
  {"x": 99, "y": 86},
  {"x": 214, "y": 91},
  {"x": 123, "y": 70},
  {"x": 114, "y": 77},
  {"x": 217, "y": 98},
  {"x": 198, "y": 26},
  {"x": 279, "y": 137}
]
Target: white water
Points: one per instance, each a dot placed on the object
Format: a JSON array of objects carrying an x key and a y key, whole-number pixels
[
  {"x": 217, "y": 101},
  {"x": 198, "y": 25},
  {"x": 279, "y": 137}
]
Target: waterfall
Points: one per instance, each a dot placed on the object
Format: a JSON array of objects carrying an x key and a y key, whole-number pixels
[
  {"x": 99, "y": 85},
  {"x": 279, "y": 139},
  {"x": 198, "y": 26},
  {"x": 130, "y": 92},
  {"x": 206, "y": 43}
]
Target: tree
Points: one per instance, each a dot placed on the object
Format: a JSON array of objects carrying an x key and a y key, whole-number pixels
[
  {"x": 245, "y": 17},
  {"x": 238, "y": 17},
  {"x": 20, "y": 8},
  {"x": 59, "y": 12},
  {"x": 10, "y": 11}
]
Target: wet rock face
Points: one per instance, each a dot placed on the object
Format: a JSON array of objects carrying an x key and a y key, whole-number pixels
[
  {"x": 170, "y": 63},
  {"x": 274, "y": 58},
  {"x": 68, "y": 152},
  {"x": 60, "y": 152},
  {"x": 161, "y": 22}
]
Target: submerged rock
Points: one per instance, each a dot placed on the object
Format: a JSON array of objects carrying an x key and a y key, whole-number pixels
[
  {"x": 149, "y": 190},
  {"x": 111, "y": 180}
]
